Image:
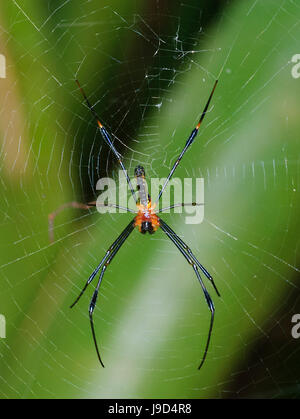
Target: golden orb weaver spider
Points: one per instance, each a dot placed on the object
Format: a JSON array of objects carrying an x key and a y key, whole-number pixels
[{"x": 146, "y": 220}]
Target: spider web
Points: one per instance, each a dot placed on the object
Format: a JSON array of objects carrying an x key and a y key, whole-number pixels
[{"x": 148, "y": 69}]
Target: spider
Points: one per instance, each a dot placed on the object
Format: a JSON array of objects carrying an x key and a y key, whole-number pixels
[{"x": 146, "y": 220}]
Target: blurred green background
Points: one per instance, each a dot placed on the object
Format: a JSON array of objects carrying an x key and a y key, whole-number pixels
[{"x": 149, "y": 67}]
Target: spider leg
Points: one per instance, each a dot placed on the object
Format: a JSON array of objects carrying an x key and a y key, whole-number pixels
[
  {"x": 93, "y": 302},
  {"x": 111, "y": 249},
  {"x": 78, "y": 205},
  {"x": 172, "y": 237},
  {"x": 193, "y": 257},
  {"x": 107, "y": 139},
  {"x": 190, "y": 140}
]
